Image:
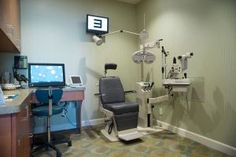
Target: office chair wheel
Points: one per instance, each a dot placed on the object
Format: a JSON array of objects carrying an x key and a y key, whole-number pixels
[{"x": 69, "y": 144}]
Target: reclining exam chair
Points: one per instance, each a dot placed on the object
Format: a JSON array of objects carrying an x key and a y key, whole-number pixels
[{"x": 122, "y": 116}]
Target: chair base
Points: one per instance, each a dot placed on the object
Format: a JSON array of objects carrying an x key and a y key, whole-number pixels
[
  {"x": 111, "y": 132},
  {"x": 40, "y": 143},
  {"x": 59, "y": 139},
  {"x": 47, "y": 146},
  {"x": 130, "y": 134},
  {"x": 111, "y": 137}
]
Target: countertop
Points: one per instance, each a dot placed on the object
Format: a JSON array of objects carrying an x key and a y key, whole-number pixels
[
  {"x": 19, "y": 102},
  {"x": 22, "y": 96}
]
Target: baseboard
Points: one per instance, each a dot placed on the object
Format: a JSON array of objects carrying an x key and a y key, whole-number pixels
[
  {"x": 199, "y": 138},
  {"x": 92, "y": 122}
]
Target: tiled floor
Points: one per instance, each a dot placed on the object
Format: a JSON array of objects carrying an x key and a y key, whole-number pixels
[{"x": 163, "y": 144}]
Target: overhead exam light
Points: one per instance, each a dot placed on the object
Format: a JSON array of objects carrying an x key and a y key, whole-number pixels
[
  {"x": 97, "y": 40},
  {"x": 143, "y": 56}
]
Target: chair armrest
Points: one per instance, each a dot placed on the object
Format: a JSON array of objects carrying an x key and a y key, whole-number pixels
[
  {"x": 99, "y": 94},
  {"x": 130, "y": 91},
  {"x": 126, "y": 92}
]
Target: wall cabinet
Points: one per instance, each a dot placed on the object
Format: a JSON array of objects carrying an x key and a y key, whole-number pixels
[
  {"x": 15, "y": 134},
  {"x": 10, "y": 26}
]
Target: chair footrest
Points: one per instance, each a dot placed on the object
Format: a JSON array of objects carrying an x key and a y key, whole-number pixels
[{"x": 130, "y": 136}]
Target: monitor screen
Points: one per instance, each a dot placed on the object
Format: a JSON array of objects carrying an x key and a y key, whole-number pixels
[
  {"x": 97, "y": 24},
  {"x": 76, "y": 80},
  {"x": 46, "y": 74}
]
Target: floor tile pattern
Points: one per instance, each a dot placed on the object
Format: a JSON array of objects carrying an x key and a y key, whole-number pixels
[{"x": 91, "y": 143}]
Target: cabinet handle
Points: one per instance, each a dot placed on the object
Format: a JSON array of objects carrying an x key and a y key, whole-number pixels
[
  {"x": 27, "y": 112},
  {"x": 18, "y": 142},
  {"x": 30, "y": 135}
]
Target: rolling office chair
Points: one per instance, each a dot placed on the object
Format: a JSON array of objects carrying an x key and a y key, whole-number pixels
[
  {"x": 122, "y": 116},
  {"x": 48, "y": 106}
]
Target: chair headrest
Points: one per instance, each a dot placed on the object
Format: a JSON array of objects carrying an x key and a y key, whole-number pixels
[{"x": 112, "y": 66}]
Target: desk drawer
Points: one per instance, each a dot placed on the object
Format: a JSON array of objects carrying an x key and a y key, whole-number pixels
[{"x": 73, "y": 96}]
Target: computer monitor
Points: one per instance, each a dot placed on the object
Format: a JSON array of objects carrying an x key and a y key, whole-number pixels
[{"x": 46, "y": 74}]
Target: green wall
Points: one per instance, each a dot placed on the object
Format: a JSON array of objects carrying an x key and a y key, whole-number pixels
[
  {"x": 207, "y": 28},
  {"x": 55, "y": 31}
]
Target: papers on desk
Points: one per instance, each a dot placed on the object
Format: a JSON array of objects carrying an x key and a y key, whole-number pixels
[
  {"x": 2, "y": 100},
  {"x": 10, "y": 97}
]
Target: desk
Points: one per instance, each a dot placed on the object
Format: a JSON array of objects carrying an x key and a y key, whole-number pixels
[
  {"x": 75, "y": 95},
  {"x": 15, "y": 125},
  {"x": 15, "y": 121}
]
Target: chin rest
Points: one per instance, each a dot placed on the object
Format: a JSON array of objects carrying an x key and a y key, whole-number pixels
[{"x": 124, "y": 114}]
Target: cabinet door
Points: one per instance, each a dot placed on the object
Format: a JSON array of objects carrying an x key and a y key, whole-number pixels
[
  {"x": 13, "y": 26},
  {"x": 21, "y": 144},
  {"x": 5, "y": 135},
  {"x": 10, "y": 24},
  {"x": 26, "y": 133}
]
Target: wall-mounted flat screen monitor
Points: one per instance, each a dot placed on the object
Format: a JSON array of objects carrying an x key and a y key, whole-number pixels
[
  {"x": 97, "y": 24},
  {"x": 46, "y": 74}
]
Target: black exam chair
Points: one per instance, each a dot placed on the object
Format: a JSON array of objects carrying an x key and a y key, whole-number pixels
[
  {"x": 122, "y": 116},
  {"x": 48, "y": 106}
]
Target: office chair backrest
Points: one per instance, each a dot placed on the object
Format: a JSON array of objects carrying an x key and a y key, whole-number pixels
[
  {"x": 42, "y": 95},
  {"x": 111, "y": 90}
]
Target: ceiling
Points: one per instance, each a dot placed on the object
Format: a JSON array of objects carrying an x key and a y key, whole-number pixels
[{"x": 131, "y": 1}]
